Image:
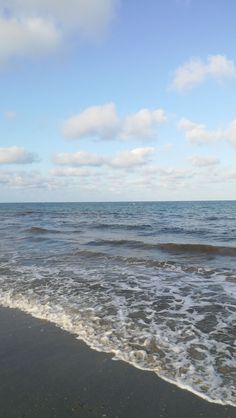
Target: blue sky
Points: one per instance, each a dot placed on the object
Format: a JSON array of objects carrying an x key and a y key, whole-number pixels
[{"x": 117, "y": 100}]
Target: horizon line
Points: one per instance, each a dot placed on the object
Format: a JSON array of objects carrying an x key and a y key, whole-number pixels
[{"x": 120, "y": 201}]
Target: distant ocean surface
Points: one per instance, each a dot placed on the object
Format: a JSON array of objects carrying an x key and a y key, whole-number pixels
[{"x": 152, "y": 283}]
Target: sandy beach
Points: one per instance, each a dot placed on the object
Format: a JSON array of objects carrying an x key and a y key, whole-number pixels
[{"x": 46, "y": 372}]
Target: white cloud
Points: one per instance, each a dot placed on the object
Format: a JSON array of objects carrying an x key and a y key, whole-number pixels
[
  {"x": 25, "y": 180},
  {"x": 196, "y": 71},
  {"x": 127, "y": 184},
  {"x": 16, "y": 155},
  {"x": 230, "y": 175},
  {"x": 142, "y": 124},
  {"x": 131, "y": 158},
  {"x": 27, "y": 36},
  {"x": 126, "y": 159},
  {"x": 203, "y": 161},
  {"x": 174, "y": 173},
  {"x": 103, "y": 122},
  {"x": 78, "y": 159},
  {"x": 89, "y": 17},
  {"x": 220, "y": 67},
  {"x": 96, "y": 121},
  {"x": 70, "y": 172},
  {"x": 35, "y": 26},
  {"x": 198, "y": 133},
  {"x": 3, "y": 178}
]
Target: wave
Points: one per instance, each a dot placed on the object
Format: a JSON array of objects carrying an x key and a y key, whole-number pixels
[
  {"x": 40, "y": 230},
  {"x": 116, "y": 243},
  {"x": 147, "y": 262},
  {"x": 129, "y": 227},
  {"x": 169, "y": 247},
  {"x": 25, "y": 213},
  {"x": 199, "y": 248},
  {"x": 147, "y": 227}
]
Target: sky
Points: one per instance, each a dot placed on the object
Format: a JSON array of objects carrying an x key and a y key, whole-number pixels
[{"x": 114, "y": 100}]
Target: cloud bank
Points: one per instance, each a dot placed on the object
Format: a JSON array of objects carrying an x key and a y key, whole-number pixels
[
  {"x": 125, "y": 159},
  {"x": 25, "y": 180},
  {"x": 203, "y": 161},
  {"x": 81, "y": 158}
]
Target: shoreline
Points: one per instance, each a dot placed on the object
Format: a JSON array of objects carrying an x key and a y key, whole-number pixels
[{"x": 47, "y": 372}]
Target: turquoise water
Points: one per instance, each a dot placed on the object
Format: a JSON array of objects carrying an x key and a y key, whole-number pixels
[{"x": 153, "y": 283}]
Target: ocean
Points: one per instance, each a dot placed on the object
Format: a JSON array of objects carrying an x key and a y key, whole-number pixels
[{"x": 154, "y": 283}]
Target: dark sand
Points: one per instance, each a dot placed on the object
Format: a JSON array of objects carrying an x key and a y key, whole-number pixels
[{"x": 45, "y": 372}]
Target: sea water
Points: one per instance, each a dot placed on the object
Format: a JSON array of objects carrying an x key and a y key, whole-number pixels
[{"x": 153, "y": 283}]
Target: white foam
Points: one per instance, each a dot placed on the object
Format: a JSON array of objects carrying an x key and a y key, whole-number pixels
[{"x": 148, "y": 318}]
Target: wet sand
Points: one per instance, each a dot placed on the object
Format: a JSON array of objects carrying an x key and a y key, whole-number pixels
[{"x": 46, "y": 373}]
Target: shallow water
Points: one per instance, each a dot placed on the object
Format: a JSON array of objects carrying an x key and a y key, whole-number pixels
[{"x": 154, "y": 283}]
